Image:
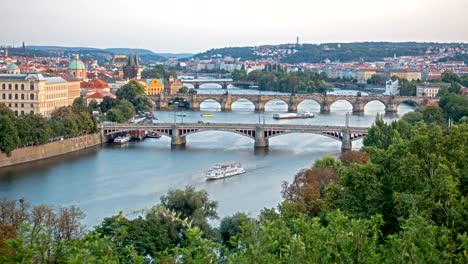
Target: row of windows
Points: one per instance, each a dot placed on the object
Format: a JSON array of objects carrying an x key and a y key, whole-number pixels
[
  {"x": 22, "y": 113},
  {"x": 22, "y": 105},
  {"x": 55, "y": 96},
  {"x": 10, "y": 86},
  {"x": 10, "y": 97}
]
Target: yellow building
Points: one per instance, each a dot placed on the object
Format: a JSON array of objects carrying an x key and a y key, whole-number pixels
[
  {"x": 409, "y": 75},
  {"x": 363, "y": 75},
  {"x": 154, "y": 86},
  {"x": 34, "y": 93}
]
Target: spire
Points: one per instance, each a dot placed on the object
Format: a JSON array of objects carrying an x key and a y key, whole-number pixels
[
  {"x": 131, "y": 61},
  {"x": 137, "y": 60}
]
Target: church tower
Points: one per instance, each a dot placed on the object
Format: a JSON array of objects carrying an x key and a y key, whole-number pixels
[{"x": 132, "y": 70}]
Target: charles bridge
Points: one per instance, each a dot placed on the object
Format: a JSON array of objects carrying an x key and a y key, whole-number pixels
[
  {"x": 226, "y": 100},
  {"x": 259, "y": 133}
]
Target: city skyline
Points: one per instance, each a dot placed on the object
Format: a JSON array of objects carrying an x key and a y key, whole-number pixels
[{"x": 189, "y": 27}]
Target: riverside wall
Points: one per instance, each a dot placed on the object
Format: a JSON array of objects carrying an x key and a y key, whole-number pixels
[{"x": 23, "y": 155}]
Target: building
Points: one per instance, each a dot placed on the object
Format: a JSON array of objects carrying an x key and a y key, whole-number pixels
[
  {"x": 119, "y": 61},
  {"x": 77, "y": 69},
  {"x": 12, "y": 69},
  {"x": 94, "y": 85},
  {"x": 392, "y": 88},
  {"x": 174, "y": 85},
  {"x": 363, "y": 75},
  {"x": 409, "y": 75},
  {"x": 132, "y": 69},
  {"x": 36, "y": 94},
  {"x": 429, "y": 89},
  {"x": 154, "y": 86}
]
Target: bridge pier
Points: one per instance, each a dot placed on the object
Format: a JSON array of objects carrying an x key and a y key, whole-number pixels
[
  {"x": 391, "y": 108},
  {"x": 260, "y": 140},
  {"x": 292, "y": 107},
  {"x": 225, "y": 85},
  {"x": 176, "y": 139},
  {"x": 196, "y": 85},
  {"x": 324, "y": 108},
  {"x": 260, "y": 107},
  {"x": 346, "y": 143},
  {"x": 358, "y": 107}
]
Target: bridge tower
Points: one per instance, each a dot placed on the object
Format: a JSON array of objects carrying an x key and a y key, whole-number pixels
[
  {"x": 176, "y": 138},
  {"x": 346, "y": 143},
  {"x": 260, "y": 140}
]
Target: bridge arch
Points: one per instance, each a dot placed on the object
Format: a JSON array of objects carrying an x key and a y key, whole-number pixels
[
  {"x": 343, "y": 105},
  {"x": 207, "y": 85},
  {"x": 375, "y": 105},
  {"x": 210, "y": 103},
  {"x": 246, "y": 133},
  {"x": 242, "y": 104},
  {"x": 309, "y": 105},
  {"x": 276, "y": 105}
]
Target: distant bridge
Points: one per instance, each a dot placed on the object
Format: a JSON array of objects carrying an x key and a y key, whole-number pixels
[
  {"x": 358, "y": 103},
  {"x": 197, "y": 82},
  {"x": 259, "y": 133}
]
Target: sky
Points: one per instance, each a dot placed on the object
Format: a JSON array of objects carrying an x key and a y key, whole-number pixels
[{"x": 197, "y": 25}]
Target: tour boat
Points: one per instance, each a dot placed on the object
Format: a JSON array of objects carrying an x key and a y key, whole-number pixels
[
  {"x": 154, "y": 135},
  {"x": 220, "y": 171},
  {"x": 207, "y": 115},
  {"x": 293, "y": 115},
  {"x": 120, "y": 140}
]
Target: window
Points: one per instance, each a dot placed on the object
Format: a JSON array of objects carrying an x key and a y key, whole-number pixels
[
  {"x": 22, "y": 105},
  {"x": 16, "y": 96},
  {"x": 31, "y": 97},
  {"x": 16, "y": 105},
  {"x": 9, "y": 96},
  {"x": 16, "y": 86},
  {"x": 3, "y": 86},
  {"x": 31, "y": 85},
  {"x": 22, "y": 96},
  {"x": 32, "y": 112},
  {"x": 22, "y": 86},
  {"x": 3, "y": 96},
  {"x": 16, "y": 113},
  {"x": 22, "y": 112},
  {"x": 9, "y": 86},
  {"x": 32, "y": 105},
  {"x": 9, "y": 105}
]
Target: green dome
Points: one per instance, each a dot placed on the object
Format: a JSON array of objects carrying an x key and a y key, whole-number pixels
[
  {"x": 12, "y": 67},
  {"x": 76, "y": 64}
]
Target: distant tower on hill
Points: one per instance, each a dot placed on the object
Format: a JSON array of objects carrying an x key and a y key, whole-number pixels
[
  {"x": 23, "y": 48},
  {"x": 297, "y": 40},
  {"x": 133, "y": 69}
]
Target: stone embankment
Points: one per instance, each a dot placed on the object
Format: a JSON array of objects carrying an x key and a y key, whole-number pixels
[{"x": 23, "y": 155}]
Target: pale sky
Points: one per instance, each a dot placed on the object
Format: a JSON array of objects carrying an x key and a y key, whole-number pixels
[{"x": 198, "y": 25}]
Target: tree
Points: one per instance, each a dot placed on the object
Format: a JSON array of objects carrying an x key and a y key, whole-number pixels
[
  {"x": 107, "y": 103},
  {"x": 183, "y": 90},
  {"x": 376, "y": 79},
  {"x": 93, "y": 105},
  {"x": 134, "y": 92},
  {"x": 450, "y": 77},
  {"x": 413, "y": 117},
  {"x": 230, "y": 226},
  {"x": 354, "y": 157},
  {"x": 8, "y": 135},
  {"x": 115, "y": 115},
  {"x": 6, "y": 111},
  {"x": 433, "y": 114},
  {"x": 33, "y": 129},
  {"x": 192, "y": 205},
  {"x": 79, "y": 105}
]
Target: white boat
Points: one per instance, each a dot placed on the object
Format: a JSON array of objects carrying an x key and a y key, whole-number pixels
[
  {"x": 220, "y": 171},
  {"x": 293, "y": 115},
  {"x": 120, "y": 140}
]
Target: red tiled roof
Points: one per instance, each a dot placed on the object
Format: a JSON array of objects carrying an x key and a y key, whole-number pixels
[{"x": 95, "y": 84}]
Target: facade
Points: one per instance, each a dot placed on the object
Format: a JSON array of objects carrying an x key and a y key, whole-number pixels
[
  {"x": 429, "y": 89},
  {"x": 363, "y": 75},
  {"x": 77, "y": 69},
  {"x": 154, "y": 86},
  {"x": 119, "y": 61},
  {"x": 409, "y": 75},
  {"x": 392, "y": 88},
  {"x": 36, "y": 94},
  {"x": 174, "y": 85},
  {"x": 132, "y": 69},
  {"x": 12, "y": 69}
]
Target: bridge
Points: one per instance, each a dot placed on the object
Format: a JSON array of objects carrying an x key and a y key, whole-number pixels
[
  {"x": 197, "y": 82},
  {"x": 358, "y": 103},
  {"x": 259, "y": 133}
]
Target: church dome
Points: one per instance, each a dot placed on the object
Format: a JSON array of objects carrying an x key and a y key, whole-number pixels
[
  {"x": 12, "y": 67},
  {"x": 76, "y": 64}
]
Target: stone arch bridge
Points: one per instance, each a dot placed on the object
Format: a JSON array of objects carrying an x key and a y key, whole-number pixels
[
  {"x": 259, "y": 133},
  {"x": 325, "y": 101}
]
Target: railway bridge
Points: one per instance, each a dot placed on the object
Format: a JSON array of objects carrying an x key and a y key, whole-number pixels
[
  {"x": 226, "y": 100},
  {"x": 259, "y": 133}
]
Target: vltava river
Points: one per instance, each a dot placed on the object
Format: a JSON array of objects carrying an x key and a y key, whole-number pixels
[{"x": 104, "y": 180}]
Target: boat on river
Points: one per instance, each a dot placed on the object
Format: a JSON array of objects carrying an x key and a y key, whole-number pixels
[
  {"x": 293, "y": 115},
  {"x": 220, "y": 171},
  {"x": 153, "y": 135},
  {"x": 120, "y": 140}
]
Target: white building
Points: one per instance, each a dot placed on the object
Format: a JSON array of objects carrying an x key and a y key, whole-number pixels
[
  {"x": 392, "y": 88},
  {"x": 429, "y": 89}
]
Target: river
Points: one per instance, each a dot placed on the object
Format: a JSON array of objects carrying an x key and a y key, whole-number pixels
[{"x": 105, "y": 180}]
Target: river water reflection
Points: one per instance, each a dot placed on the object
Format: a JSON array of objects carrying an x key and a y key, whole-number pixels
[{"x": 105, "y": 180}]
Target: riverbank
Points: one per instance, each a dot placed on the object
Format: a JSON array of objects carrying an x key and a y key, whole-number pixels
[{"x": 28, "y": 154}]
